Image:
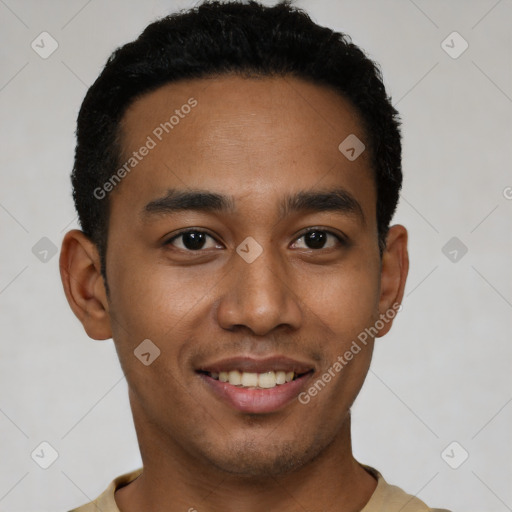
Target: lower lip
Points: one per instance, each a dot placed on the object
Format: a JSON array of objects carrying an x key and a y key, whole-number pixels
[{"x": 257, "y": 400}]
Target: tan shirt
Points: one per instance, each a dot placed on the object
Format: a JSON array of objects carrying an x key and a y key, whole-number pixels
[{"x": 385, "y": 498}]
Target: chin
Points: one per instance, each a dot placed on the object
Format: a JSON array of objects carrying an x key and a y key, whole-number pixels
[{"x": 251, "y": 460}]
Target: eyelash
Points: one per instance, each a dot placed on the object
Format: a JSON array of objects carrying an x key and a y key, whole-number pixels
[{"x": 341, "y": 240}]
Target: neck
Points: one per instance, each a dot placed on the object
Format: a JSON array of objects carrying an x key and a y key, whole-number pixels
[{"x": 333, "y": 480}]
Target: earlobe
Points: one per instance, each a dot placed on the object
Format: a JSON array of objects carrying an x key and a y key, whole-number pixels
[
  {"x": 394, "y": 269},
  {"x": 83, "y": 284}
]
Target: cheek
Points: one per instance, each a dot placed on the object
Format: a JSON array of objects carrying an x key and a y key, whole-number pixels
[
  {"x": 157, "y": 295},
  {"x": 346, "y": 300},
  {"x": 158, "y": 302}
]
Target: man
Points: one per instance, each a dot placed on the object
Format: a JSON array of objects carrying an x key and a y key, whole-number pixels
[{"x": 236, "y": 171}]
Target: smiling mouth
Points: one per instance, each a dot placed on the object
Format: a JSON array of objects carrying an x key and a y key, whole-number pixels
[{"x": 252, "y": 380}]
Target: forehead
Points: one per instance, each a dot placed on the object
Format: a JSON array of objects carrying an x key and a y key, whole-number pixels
[
  {"x": 223, "y": 104},
  {"x": 253, "y": 136}
]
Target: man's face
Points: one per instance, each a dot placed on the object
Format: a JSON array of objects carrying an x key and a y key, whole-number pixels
[{"x": 296, "y": 306}]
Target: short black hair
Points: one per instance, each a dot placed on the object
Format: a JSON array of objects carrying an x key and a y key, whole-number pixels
[{"x": 217, "y": 38}]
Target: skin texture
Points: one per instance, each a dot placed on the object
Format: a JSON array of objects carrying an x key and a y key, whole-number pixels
[{"x": 257, "y": 140}]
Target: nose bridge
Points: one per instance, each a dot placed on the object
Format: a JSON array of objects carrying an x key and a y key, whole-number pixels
[
  {"x": 258, "y": 295},
  {"x": 261, "y": 280}
]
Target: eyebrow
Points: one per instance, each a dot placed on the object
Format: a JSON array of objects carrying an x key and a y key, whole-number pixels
[
  {"x": 181, "y": 200},
  {"x": 336, "y": 200}
]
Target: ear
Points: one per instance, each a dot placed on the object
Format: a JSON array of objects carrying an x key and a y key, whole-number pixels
[
  {"x": 83, "y": 284},
  {"x": 394, "y": 269}
]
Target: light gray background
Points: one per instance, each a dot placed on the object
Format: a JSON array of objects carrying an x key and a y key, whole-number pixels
[{"x": 441, "y": 375}]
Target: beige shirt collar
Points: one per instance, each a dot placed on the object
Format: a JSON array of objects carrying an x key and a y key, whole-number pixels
[{"x": 385, "y": 498}]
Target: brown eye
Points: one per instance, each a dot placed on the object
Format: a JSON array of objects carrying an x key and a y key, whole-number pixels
[
  {"x": 192, "y": 240},
  {"x": 319, "y": 239}
]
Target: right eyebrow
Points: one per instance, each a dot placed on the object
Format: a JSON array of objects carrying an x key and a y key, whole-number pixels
[{"x": 180, "y": 200}]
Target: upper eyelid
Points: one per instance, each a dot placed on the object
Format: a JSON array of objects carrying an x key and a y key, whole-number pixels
[
  {"x": 325, "y": 230},
  {"x": 342, "y": 239},
  {"x": 189, "y": 230}
]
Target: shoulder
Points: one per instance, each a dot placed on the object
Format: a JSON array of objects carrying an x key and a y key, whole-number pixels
[
  {"x": 390, "y": 498},
  {"x": 106, "y": 501}
]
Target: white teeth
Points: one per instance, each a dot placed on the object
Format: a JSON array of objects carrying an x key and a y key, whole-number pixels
[
  {"x": 235, "y": 378},
  {"x": 267, "y": 380},
  {"x": 264, "y": 380},
  {"x": 249, "y": 379},
  {"x": 281, "y": 377}
]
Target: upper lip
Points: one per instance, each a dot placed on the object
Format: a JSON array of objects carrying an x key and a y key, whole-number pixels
[{"x": 254, "y": 365}]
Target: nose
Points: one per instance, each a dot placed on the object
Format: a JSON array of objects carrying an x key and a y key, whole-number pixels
[{"x": 259, "y": 296}]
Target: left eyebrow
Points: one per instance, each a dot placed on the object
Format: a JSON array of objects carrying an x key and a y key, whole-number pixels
[{"x": 336, "y": 200}]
